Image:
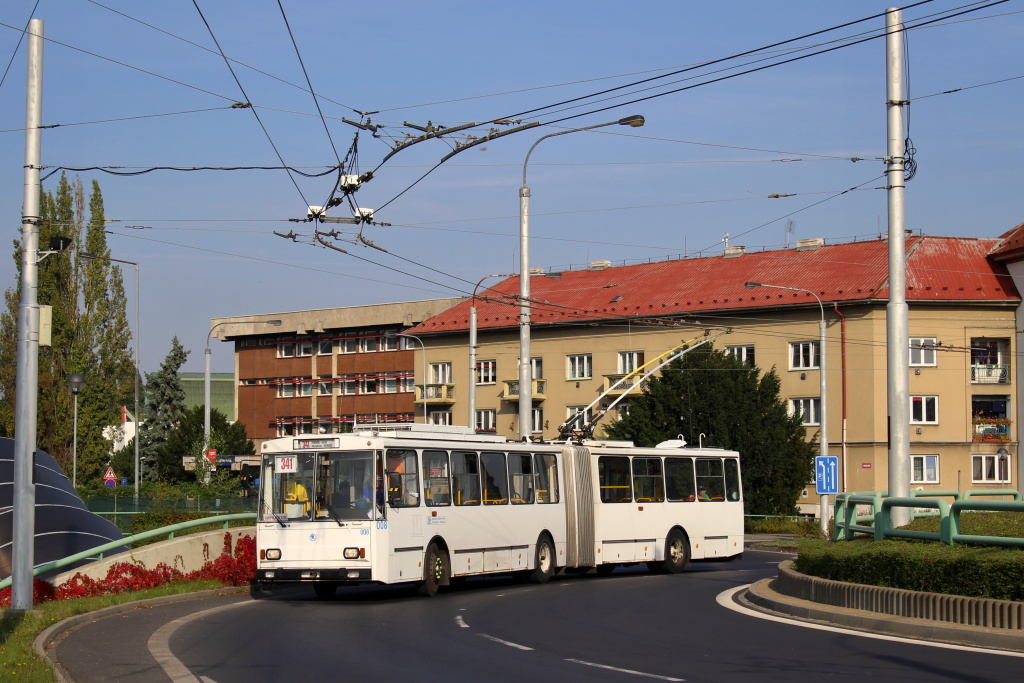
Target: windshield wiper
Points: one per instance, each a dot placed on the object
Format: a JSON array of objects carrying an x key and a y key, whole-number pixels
[
  {"x": 337, "y": 517},
  {"x": 266, "y": 508}
]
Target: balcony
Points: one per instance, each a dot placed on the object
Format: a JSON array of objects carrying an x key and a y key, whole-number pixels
[
  {"x": 511, "y": 392},
  {"x": 990, "y": 374},
  {"x": 991, "y": 428},
  {"x": 630, "y": 384},
  {"x": 435, "y": 394}
]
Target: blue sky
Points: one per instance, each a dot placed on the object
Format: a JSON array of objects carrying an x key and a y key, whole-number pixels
[{"x": 702, "y": 166}]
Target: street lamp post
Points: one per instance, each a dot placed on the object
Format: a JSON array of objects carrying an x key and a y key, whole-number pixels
[
  {"x": 206, "y": 375},
  {"x": 75, "y": 382},
  {"x": 137, "y": 333},
  {"x": 472, "y": 350},
  {"x": 823, "y": 408},
  {"x": 525, "y": 367},
  {"x": 423, "y": 390}
]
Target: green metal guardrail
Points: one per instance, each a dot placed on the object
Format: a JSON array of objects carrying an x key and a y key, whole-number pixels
[
  {"x": 949, "y": 514},
  {"x": 98, "y": 551}
]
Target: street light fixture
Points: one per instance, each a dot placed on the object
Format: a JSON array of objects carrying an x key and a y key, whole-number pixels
[
  {"x": 823, "y": 408},
  {"x": 525, "y": 367},
  {"x": 75, "y": 383},
  {"x": 206, "y": 375},
  {"x": 137, "y": 333},
  {"x": 472, "y": 349}
]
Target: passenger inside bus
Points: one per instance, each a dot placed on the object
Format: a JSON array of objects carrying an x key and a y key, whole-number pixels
[
  {"x": 702, "y": 493},
  {"x": 296, "y": 495},
  {"x": 341, "y": 499}
]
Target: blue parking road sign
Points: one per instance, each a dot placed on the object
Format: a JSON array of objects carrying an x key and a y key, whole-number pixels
[{"x": 826, "y": 471}]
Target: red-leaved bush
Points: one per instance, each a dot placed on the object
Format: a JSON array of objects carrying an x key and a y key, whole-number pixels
[{"x": 234, "y": 567}]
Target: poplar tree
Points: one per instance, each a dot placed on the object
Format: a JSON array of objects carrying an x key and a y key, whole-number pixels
[
  {"x": 710, "y": 397},
  {"x": 165, "y": 407},
  {"x": 90, "y": 333}
]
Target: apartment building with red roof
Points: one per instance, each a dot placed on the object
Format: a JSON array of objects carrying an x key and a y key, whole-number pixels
[{"x": 590, "y": 326}]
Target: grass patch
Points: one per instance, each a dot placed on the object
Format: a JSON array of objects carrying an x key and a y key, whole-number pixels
[
  {"x": 18, "y": 631},
  {"x": 804, "y": 527}
]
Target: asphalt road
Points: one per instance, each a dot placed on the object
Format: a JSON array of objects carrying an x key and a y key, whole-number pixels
[{"x": 630, "y": 626}]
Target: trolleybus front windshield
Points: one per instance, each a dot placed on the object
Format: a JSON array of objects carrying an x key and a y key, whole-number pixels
[{"x": 321, "y": 486}]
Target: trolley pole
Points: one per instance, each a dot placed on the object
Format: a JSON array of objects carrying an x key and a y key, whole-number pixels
[
  {"x": 897, "y": 324},
  {"x": 27, "y": 382}
]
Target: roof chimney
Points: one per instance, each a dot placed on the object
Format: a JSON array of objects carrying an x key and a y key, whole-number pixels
[
  {"x": 810, "y": 243},
  {"x": 600, "y": 265},
  {"x": 735, "y": 251}
]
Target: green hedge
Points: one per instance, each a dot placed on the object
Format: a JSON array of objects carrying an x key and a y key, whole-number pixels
[{"x": 971, "y": 571}]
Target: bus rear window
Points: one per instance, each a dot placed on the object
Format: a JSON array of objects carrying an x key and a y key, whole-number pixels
[{"x": 547, "y": 478}]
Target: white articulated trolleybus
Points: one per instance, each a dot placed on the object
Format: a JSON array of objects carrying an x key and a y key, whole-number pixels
[{"x": 423, "y": 504}]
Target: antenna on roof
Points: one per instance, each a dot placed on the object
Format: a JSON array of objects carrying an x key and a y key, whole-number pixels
[{"x": 789, "y": 231}]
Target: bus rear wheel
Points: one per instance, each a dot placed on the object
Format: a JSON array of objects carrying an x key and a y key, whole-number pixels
[
  {"x": 544, "y": 561},
  {"x": 436, "y": 572},
  {"x": 325, "y": 589}
]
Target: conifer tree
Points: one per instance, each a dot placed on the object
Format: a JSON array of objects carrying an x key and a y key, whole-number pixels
[
  {"x": 708, "y": 392},
  {"x": 90, "y": 333},
  {"x": 165, "y": 407}
]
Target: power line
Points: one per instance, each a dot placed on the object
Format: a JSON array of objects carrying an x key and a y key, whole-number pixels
[
  {"x": 18, "y": 46},
  {"x": 125, "y": 118},
  {"x": 113, "y": 170}
]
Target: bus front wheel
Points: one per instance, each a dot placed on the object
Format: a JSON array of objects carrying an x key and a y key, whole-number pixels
[
  {"x": 677, "y": 552},
  {"x": 544, "y": 561},
  {"x": 435, "y": 571}
]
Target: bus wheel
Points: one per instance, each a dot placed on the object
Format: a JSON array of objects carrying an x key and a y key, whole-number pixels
[
  {"x": 677, "y": 552},
  {"x": 325, "y": 589},
  {"x": 435, "y": 571},
  {"x": 544, "y": 564}
]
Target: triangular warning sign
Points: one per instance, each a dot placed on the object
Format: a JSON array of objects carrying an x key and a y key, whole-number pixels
[{"x": 109, "y": 474}]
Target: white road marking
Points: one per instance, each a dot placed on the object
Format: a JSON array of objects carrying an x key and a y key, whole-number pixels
[
  {"x": 725, "y": 599},
  {"x": 159, "y": 644},
  {"x": 504, "y": 642},
  {"x": 625, "y": 671},
  {"x": 460, "y": 622}
]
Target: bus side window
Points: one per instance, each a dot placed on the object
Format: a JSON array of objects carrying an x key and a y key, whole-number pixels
[
  {"x": 436, "y": 487},
  {"x": 732, "y": 480},
  {"x": 547, "y": 478},
  {"x": 465, "y": 478},
  {"x": 679, "y": 479},
  {"x": 495, "y": 476},
  {"x": 647, "y": 480},
  {"x": 614, "y": 479},
  {"x": 520, "y": 473},
  {"x": 709, "y": 475},
  {"x": 403, "y": 479}
]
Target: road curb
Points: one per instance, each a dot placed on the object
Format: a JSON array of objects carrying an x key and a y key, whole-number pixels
[
  {"x": 764, "y": 594},
  {"x": 43, "y": 642}
]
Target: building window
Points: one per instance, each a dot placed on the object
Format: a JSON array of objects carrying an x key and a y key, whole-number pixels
[
  {"x": 537, "y": 368},
  {"x": 304, "y": 348},
  {"x": 326, "y": 347},
  {"x": 286, "y": 350},
  {"x": 990, "y": 417},
  {"x": 346, "y": 386},
  {"x": 630, "y": 361},
  {"x": 580, "y": 366},
  {"x": 804, "y": 356},
  {"x": 922, "y": 351},
  {"x": 368, "y": 385},
  {"x": 809, "y": 410},
  {"x": 285, "y": 388},
  {"x": 348, "y": 345},
  {"x": 572, "y": 411},
  {"x": 486, "y": 420},
  {"x": 744, "y": 354},
  {"x": 441, "y": 373},
  {"x": 388, "y": 343},
  {"x": 306, "y": 386},
  {"x": 325, "y": 387},
  {"x": 368, "y": 344},
  {"x": 406, "y": 384},
  {"x": 536, "y": 420},
  {"x": 487, "y": 372},
  {"x": 390, "y": 385},
  {"x": 924, "y": 469},
  {"x": 990, "y": 469},
  {"x": 441, "y": 417},
  {"x": 924, "y": 410}
]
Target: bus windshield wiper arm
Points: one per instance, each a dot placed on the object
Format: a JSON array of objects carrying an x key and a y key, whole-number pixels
[
  {"x": 266, "y": 508},
  {"x": 337, "y": 517}
]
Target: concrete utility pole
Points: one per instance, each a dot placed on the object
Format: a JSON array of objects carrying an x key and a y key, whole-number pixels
[
  {"x": 897, "y": 324},
  {"x": 27, "y": 383}
]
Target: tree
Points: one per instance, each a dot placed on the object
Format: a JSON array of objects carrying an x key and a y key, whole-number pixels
[
  {"x": 710, "y": 396},
  {"x": 165, "y": 406},
  {"x": 187, "y": 440},
  {"x": 90, "y": 333}
]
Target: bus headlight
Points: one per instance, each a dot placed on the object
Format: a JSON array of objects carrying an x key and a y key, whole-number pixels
[
  {"x": 352, "y": 553},
  {"x": 274, "y": 554}
]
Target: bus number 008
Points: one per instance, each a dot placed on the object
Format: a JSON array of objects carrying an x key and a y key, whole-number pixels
[
  {"x": 382, "y": 524},
  {"x": 364, "y": 532}
]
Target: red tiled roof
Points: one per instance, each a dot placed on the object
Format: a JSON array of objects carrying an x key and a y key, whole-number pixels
[
  {"x": 1010, "y": 246},
  {"x": 938, "y": 269}
]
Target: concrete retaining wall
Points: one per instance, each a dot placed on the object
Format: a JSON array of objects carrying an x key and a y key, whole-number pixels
[
  {"x": 954, "y": 609},
  {"x": 185, "y": 553}
]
